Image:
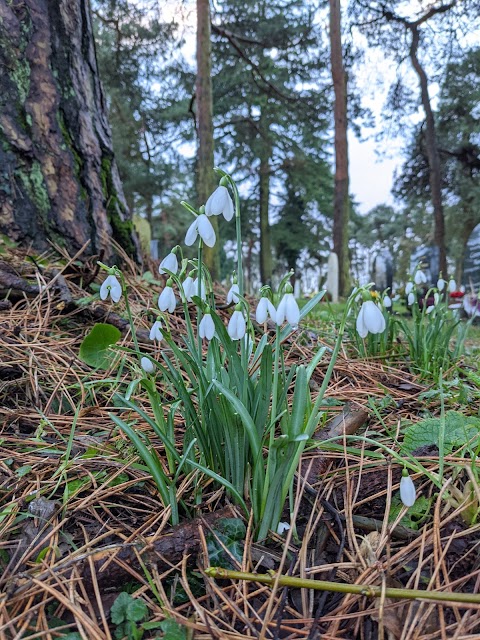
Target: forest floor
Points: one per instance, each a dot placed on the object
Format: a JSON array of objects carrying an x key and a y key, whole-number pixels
[{"x": 86, "y": 548}]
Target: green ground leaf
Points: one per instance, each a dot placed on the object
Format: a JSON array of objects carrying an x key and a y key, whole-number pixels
[
  {"x": 172, "y": 630},
  {"x": 459, "y": 430},
  {"x": 95, "y": 348}
]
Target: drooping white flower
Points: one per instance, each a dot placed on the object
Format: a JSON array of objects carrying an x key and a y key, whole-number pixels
[
  {"x": 264, "y": 309},
  {"x": 188, "y": 288},
  {"x": 462, "y": 288},
  {"x": 455, "y": 305},
  {"x": 155, "y": 331},
  {"x": 370, "y": 319},
  {"x": 232, "y": 294},
  {"x": 430, "y": 308},
  {"x": 147, "y": 365},
  {"x": 452, "y": 285},
  {"x": 441, "y": 284},
  {"x": 436, "y": 298},
  {"x": 282, "y": 528},
  {"x": 237, "y": 326},
  {"x": 409, "y": 287},
  {"x": 166, "y": 300},
  {"x": 288, "y": 309},
  {"x": 206, "y": 328},
  {"x": 387, "y": 302},
  {"x": 170, "y": 262},
  {"x": 202, "y": 227},
  {"x": 203, "y": 293},
  {"x": 219, "y": 203},
  {"x": 420, "y": 277},
  {"x": 407, "y": 490},
  {"x": 111, "y": 287},
  {"x": 411, "y": 298}
]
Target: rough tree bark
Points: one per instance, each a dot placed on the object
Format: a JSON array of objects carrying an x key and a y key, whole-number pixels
[
  {"x": 204, "y": 117},
  {"x": 341, "y": 202},
  {"x": 58, "y": 178}
]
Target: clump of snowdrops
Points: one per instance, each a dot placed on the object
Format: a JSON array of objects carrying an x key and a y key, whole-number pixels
[
  {"x": 230, "y": 391},
  {"x": 435, "y": 335}
]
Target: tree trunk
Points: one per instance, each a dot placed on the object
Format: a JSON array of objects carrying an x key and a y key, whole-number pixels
[
  {"x": 432, "y": 153},
  {"x": 265, "y": 241},
  {"x": 59, "y": 182},
  {"x": 205, "y": 159},
  {"x": 341, "y": 203}
]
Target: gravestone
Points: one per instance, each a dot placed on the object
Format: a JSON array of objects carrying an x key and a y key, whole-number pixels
[
  {"x": 471, "y": 265},
  {"x": 332, "y": 276},
  {"x": 429, "y": 260},
  {"x": 382, "y": 271}
]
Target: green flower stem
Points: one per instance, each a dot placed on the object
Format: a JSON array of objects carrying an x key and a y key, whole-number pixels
[
  {"x": 199, "y": 294},
  {"x": 271, "y": 428},
  {"x": 371, "y": 591}
]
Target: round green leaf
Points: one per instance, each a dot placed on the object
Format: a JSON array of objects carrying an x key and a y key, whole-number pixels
[{"x": 94, "y": 349}]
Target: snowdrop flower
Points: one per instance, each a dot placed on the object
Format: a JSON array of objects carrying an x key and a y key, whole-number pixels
[
  {"x": 455, "y": 305},
  {"x": 203, "y": 293},
  {"x": 407, "y": 490},
  {"x": 219, "y": 203},
  {"x": 264, "y": 309},
  {"x": 436, "y": 298},
  {"x": 430, "y": 308},
  {"x": 282, "y": 528},
  {"x": 387, "y": 302},
  {"x": 288, "y": 309},
  {"x": 441, "y": 284},
  {"x": 231, "y": 295},
  {"x": 409, "y": 287},
  {"x": 188, "y": 288},
  {"x": 206, "y": 328},
  {"x": 166, "y": 300},
  {"x": 237, "y": 326},
  {"x": 155, "y": 331},
  {"x": 202, "y": 227},
  {"x": 411, "y": 298},
  {"x": 452, "y": 285},
  {"x": 147, "y": 365},
  {"x": 111, "y": 287},
  {"x": 170, "y": 262},
  {"x": 462, "y": 288},
  {"x": 370, "y": 319},
  {"x": 420, "y": 277}
]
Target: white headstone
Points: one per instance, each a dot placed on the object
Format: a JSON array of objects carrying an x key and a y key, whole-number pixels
[{"x": 332, "y": 276}]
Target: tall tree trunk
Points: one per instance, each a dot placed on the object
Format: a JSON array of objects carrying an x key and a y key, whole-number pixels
[
  {"x": 432, "y": 152},
  {"x": 58, "y": 178},
  {"x": 265, "y": 241},
  {"x": 205, "y": 159},
  {"x": 341, "y": 203}
]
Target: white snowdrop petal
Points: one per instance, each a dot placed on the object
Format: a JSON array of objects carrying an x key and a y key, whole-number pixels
[
  {"x": 170, "y": 262},
  {"x": 452, "y": 285},
  {"x": 231, "y": 295},
  {"x": 116, "y": 291},
  {"x": 147, "y": 365},
  {"x": 292, "y": 312},
  {"x": 271, "y": 310},
  {"x": 407, "y": 491},
  {"x": 409, "y": 287},
  {"x": 205, "y": 230},
  {"x": 219, "y": 199},
  {"x": 360, "y": 324},
  {"x": 441, "y": 284},
  {"x": 229, "y": 210},
  {"x": 262, "y": 311},
  {"x": 387, "y": 302},
  {"x": 192, "y": 233},
  {"x": 282, "y": 528},
  {"x": 281, "y": 311},
  {"x": 411, "y": 299}
]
